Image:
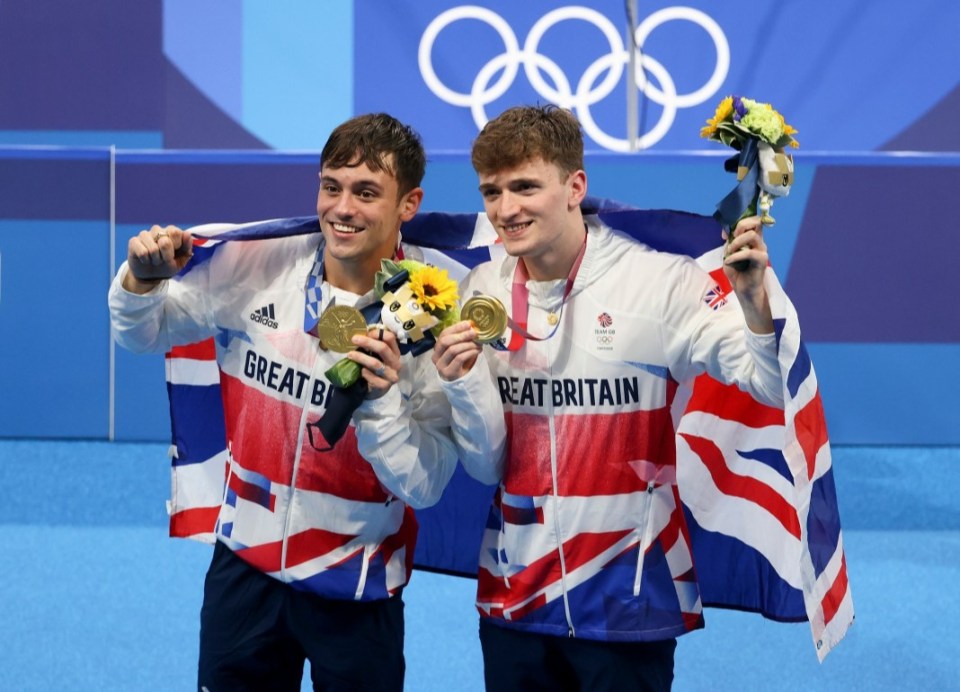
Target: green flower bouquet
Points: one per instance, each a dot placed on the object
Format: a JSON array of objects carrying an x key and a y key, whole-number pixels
[{"x": 760, "y": 134}]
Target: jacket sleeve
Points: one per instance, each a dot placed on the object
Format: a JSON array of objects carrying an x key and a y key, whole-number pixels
[
  {"x": 478, "y": 425},
  {"x": 407, "y": 439},
  {"x": 717, "y": 341},
  {"x": 175, "y": 312}
]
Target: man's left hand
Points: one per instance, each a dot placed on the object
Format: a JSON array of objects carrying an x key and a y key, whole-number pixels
[
  {"x": 378, "y": 353},
  {"x": 748, "y": 247}
]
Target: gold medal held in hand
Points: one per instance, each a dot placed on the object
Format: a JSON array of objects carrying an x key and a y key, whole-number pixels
[
  {"x": 337, "y": 325},
  {"x": 488, "y": 315}
]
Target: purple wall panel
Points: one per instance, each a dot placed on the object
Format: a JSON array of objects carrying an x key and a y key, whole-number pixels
[
  {"x": 193, "y": 121},
  {"x": 93, "y": 65},
  {"x": 202, "y": 193},
  {"x": 935, "y": 131},
  {"x": 877, "y": 255},
  {"x": 54, "y": 189}
]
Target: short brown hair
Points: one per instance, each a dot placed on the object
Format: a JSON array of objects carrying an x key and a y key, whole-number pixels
[
  {"x": 523, "y": 133},
  {"x": 372, "y": 139}
]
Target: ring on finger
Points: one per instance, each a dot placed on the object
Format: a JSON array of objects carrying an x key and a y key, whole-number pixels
[
  {"x": 380, "y": 371},
  {"x": 158, "y": 235}
]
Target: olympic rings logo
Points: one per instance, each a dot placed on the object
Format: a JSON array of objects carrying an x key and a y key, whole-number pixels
[{"x": 588, "y": 92}]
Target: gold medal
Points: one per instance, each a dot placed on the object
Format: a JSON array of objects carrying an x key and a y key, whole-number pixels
[
  {"x": 337, "y": 325},
  {"x": 488, "y": 315}
]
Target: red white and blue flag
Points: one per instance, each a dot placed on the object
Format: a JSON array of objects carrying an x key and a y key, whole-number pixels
[{"x": 756, "y": 482}]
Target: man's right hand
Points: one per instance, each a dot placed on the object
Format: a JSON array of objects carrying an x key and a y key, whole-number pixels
[
  {"x": 456, "y": 351},
  {"x": 155, "y": 255}
]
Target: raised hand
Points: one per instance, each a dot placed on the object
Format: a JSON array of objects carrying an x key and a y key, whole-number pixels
[
  {"x": 156, "y": 254},
  {"x": 744, "y": 264}
]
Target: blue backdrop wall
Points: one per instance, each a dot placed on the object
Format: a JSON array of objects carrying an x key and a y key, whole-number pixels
[
  {"x": 117, "y": 115},
  {"x": 875, "y": 300},
  {"x": 850, "y": 75}
]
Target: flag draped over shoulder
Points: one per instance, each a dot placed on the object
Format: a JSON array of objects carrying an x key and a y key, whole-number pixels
[{"x": 756, "y": 482}]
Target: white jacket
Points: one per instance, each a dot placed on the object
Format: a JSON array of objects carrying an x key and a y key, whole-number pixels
[
  {"x": 337, "y": 523},
  {"x": 586, "y": 536}
]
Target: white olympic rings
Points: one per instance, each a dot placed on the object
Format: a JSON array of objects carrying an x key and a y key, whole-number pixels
[{"x": 561, "y": 93}]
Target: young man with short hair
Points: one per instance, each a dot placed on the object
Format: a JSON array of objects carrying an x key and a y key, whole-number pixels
[
  {"x": 576, "y": 588},
  {"x": 314, "y": 545}
]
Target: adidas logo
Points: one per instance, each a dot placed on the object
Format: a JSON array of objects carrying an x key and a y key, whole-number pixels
[{"x": 265, "y": 316}]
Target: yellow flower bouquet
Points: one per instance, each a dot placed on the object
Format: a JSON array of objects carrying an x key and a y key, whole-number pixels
[
  {"x": 738, "y": 119},
  {"x": 760, "y": 134}
]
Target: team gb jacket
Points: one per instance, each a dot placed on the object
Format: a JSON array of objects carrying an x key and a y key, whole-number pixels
[
  {"x": 336, "y": 523},
  {"x": 586, "y": 536}
]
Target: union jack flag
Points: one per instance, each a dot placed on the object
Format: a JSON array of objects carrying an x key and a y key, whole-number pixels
[
  {"x": 755, "y": 482},
  {"x": 716, "y": 297}
]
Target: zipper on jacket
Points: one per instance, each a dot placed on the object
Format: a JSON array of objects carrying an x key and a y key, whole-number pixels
[
  {"x": 362, "y": 583},
  {"x": 556, "y": 524},
  {"x": 226, "y": 487},
  {"x": 503, "y": 540},
  {"x": 571, "y": 631},
  {"x": 644, "y": 537},
  {"x": 293, "y": 477}
]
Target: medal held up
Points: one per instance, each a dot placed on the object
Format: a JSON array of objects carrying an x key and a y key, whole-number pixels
[
  {"x": 760, "y": 134},
  {"x": 488, "y": 316},
  {"x": 417, "y": 301}
]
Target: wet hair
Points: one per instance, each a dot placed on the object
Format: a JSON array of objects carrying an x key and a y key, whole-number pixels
[
  {"x": 523, "y": 133},
  {"x": 381, "y": 142}
]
